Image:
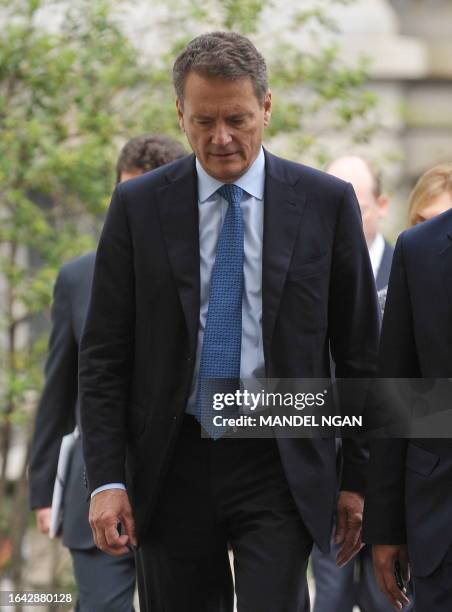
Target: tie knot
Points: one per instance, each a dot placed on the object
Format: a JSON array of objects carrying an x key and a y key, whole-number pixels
[{"x": 231, "y": 193}]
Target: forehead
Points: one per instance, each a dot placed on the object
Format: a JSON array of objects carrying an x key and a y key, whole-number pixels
[
  {"x": 355, "y": 171},
  {"x": 208, "y": 95}
]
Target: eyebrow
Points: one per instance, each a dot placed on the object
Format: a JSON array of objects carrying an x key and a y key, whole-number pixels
[{"x": 241, "y": 115}]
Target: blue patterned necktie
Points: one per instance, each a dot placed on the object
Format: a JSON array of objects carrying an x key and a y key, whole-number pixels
[{"x": 219, "y": 370}]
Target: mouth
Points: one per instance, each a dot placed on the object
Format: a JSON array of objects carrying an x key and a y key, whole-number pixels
[{"x": 224, "y": 155}]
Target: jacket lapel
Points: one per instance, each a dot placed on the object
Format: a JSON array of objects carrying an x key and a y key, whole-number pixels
[
  {"x": 178, "y": 208},
  {"x": 445, "y": 264},
  {"x": 283, "y": 209}
]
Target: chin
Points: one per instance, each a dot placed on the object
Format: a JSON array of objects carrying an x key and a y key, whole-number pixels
[{"x": 227, "y": 171}]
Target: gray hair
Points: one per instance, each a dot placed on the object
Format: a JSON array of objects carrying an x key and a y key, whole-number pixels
[{"x": 225, "y": 55}]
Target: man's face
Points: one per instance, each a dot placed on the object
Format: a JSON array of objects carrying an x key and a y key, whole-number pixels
[
  {"x": 355, "y": 171},
  {"x": 224, "y": 123},
  {"x": 373, "y": 209}
]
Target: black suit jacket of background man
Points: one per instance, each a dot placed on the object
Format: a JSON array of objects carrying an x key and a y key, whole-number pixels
[
  {"x": 138, "y": 349},
  {"x": 409, "y": 497},
  {"x": 58, "y": 406}
]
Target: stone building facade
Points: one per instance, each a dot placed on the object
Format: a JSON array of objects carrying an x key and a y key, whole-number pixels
[{"x": 410, "y": 44}]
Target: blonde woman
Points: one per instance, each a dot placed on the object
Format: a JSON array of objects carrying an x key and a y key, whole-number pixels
[{"x": 431, "y": 195}]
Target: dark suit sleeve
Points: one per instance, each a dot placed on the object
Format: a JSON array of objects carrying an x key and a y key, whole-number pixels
[
  {"x": 384, "y": 514},
  {"x": 106, "y": 351},
  {"x": 354, "y": 327},
  {"x": 56, "y": 410}
]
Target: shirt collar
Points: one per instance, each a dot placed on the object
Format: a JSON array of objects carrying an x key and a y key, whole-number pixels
[
  {"x": 376, "y": 250},
  {"x": 252, "y": 181}
]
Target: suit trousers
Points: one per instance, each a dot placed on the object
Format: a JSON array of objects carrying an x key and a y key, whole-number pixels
[
  {"x": 219, "y": 493},
  {"x": 105, "y": 583},
  {"x": 340, "y": 589}
]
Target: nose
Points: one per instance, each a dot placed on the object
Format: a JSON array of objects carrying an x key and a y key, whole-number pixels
[{"x": 221, "y": 136}]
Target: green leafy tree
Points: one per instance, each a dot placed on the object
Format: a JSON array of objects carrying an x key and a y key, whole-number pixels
[{"x": 66, "y": 97}]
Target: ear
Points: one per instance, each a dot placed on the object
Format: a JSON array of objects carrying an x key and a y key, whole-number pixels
[
  {"x": 267, "y": 108},
  {"x": 383, "y": 203},
  {"x": 180, "y": 114}
]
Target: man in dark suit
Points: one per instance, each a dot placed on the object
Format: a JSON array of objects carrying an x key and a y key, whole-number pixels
[
  {"x": 230, "y": 263},
  {"x": 104, "y": 582},
  {"x": 339, "y": 589},
  {"x": 409, "y": 501}
]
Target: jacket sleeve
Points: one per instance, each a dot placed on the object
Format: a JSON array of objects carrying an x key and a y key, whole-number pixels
[
  {"x": 354, "y": 322},
  {"x": 56, "y": 410},
  {"x": 107, "y": 350},
  {"x": 384, "y": 510}
]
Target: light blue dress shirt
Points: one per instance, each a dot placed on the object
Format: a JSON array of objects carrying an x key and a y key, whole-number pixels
[{"x": 212, "y": 210}]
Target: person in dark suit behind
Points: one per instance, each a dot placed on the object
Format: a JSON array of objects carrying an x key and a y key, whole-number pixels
[
  {"x": 104, "y": 582},
  {"x": 339, "y": 589},
  {"x": 409, "y": 499},
  {"x": 230, "y": 263}
]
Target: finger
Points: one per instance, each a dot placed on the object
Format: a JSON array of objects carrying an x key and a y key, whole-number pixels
[
  {"x": 404, "y": 567},
  {"x": 129, "y": 528},
  {"x": 117, "y": 544},
  {"x": 93, "y": 525},
  {"x": 113, "y": 539},
  {"x": 105, "y": 547},
  {"x": 99, "y": 523},
  {"x": 100, "y": 537},
  {"x": 96, "y": 538},
  {"x": 350, "y": 548},
  {"x": 94, "y": 531},
  {"x": 341, "y": 525},
  {"x": 379, "y": 578},
  {"x": 394, "y": 594},
  {"x": 352, "y": 541}
]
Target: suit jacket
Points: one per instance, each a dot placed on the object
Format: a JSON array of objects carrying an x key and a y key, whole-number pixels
[
  {"x": 384, "y": 270},
  {"x": 409, "y": 496},
  {"x": 58, "y": 407},
  {"x": 138, "y": 349}
]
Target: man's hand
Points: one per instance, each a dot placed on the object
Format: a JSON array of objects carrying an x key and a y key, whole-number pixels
[
  {"x": 108, "y": 509},
  {"x": 385, "y": 557},
  {"x": 349, "y": 519},
  {"x": 43, "y": 519}
]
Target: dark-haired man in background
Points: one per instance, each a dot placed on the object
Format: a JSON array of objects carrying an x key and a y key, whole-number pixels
[
  {"x": 104, "y": 583},
  {"x": 230, "y": 263}
]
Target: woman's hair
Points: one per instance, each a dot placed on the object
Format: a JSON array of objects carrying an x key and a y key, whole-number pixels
[{"x": 430, "y": 186}]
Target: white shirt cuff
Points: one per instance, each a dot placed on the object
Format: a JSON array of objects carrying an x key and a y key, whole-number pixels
[{"x": 112, "y": 485}]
